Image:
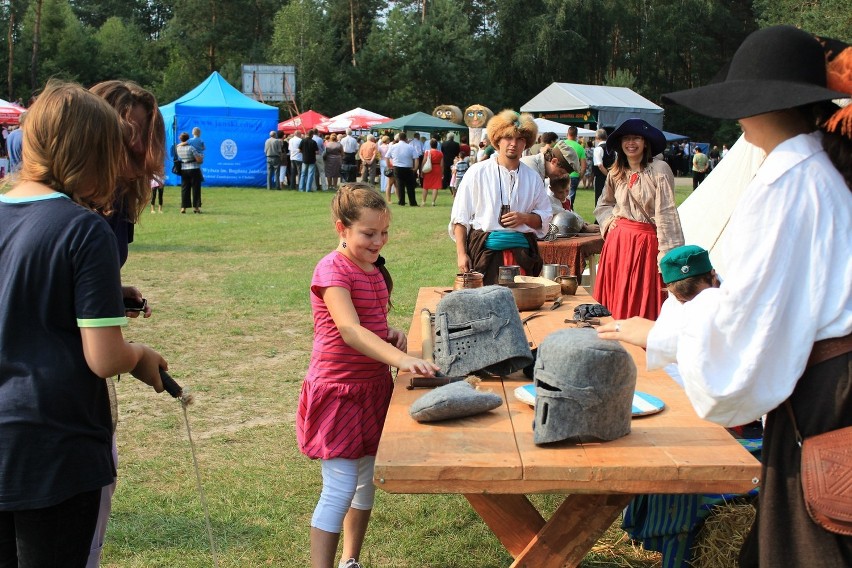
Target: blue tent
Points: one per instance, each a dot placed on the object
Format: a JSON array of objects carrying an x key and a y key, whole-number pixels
[{"x": 233, "y": 127}]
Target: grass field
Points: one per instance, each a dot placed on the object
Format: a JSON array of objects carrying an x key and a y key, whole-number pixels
[{"x": 229, "y": 290}]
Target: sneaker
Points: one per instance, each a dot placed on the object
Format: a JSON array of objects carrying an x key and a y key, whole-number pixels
[{"x": 352, "y": 563}]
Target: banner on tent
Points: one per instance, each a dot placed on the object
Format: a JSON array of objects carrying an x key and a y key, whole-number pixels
[
  {"x": 583, "y": 116},
  {"x": 233, "y": 148}
]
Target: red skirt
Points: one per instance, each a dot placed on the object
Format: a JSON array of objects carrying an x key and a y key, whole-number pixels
[
  {"x": 342, "y": 419},
  {"x": 629, "y": 282}
]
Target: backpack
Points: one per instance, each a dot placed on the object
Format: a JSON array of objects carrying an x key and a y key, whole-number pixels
[{"x": 427, "y": 162}]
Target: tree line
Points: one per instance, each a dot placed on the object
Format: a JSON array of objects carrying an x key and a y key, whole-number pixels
[{"x": 403, "y": 56}]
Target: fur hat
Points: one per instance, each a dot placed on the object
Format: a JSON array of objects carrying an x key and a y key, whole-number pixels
[
  {"x": 583, "y": 386},
  {"x": 775, "y": 68},
  {"x": 684, "y": 262},
  {"x": 654, "y": 137},
  {"x": 510, "y": 123}
]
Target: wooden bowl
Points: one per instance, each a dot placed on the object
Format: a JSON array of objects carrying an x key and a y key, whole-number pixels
[
  {"x": 551, "y": 288},
  {"x": 528, "y": 296}
]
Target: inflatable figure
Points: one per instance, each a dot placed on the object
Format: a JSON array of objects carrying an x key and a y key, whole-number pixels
[
  {"x": 476, "y": 117},
  {"x": 449, "y": 112}
]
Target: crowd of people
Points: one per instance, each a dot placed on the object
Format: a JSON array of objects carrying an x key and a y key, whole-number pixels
[{"x": 770, "y": 337}]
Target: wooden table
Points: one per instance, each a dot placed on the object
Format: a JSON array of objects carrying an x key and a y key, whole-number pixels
[
  {"x": 573, "y": 252},
  {"x": 491, "y": 458}
]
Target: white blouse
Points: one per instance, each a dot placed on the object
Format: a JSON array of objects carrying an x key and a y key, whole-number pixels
[{"x": 742, "y": 347}]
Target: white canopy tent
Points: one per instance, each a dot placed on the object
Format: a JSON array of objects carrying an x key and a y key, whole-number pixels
[
  {"x": 606, "y": 106},
  {"x": 355, "y": 119},
  {"x": 560, "y": 129},
  {"x": 705, "y": 214}
]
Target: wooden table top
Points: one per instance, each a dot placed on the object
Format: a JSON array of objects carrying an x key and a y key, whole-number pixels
[{"x": 670, "y": 452}]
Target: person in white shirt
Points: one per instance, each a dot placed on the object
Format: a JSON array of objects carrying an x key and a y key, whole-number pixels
[
  {"x": 501, "y": 207},
  {"x": 600, "y": 167},
  {"x": 774, "y": 338},
  {"x": 295, "y": 159},
  {"x": 350, "y": 148},
  {"x": 405, "y": 163}
]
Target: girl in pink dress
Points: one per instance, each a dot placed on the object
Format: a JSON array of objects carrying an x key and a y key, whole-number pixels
[{"x": 347, "y": 390}]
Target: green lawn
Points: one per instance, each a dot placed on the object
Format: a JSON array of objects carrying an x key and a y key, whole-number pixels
[{"x": 229, "y": 289}]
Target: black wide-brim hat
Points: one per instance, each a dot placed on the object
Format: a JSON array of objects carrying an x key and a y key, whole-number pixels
[
  {"x": 654, "y": 137},
  {"x": 775, "y": 68}
]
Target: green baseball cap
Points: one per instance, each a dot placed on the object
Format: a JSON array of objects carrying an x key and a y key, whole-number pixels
[{"x": 685, "y": 262}]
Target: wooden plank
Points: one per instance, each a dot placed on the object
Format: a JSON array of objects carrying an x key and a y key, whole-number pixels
[
  {"x": 670, "y": 452},
  {"x": 572, "y": 531},
  {"x": 512, "y": 518},
  {"x": 478, "y": 448}
]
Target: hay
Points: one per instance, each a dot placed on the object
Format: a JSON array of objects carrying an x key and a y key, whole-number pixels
[{"x": 719, "y": 541}]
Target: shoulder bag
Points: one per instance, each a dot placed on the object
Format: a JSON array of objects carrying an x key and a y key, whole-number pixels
[
  {"x": 176, "y": 162},
  {"x": 427, "y": 162},
  {"x": 827, "y": 460}
]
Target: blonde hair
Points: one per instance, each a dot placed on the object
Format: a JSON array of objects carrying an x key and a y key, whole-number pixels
[
  {"x": 72, "y": 143},
  {"x": 137, "y": 169},
  {"x": 511, "y": 124}
]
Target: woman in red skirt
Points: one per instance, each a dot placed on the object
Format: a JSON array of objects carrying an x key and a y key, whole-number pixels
[{"x": 639, "y": 222}]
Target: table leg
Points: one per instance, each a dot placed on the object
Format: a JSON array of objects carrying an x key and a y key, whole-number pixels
[
  {"x": 512, "y": 518},
  {"x": 572, "y": 531},
  {"x": 593, "y": 269}
]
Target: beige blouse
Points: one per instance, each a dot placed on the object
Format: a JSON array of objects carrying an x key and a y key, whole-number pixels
[{"x": 654, "y": 191}]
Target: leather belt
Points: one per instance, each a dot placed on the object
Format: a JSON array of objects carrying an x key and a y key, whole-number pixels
[{"x": 829, "y": 349}]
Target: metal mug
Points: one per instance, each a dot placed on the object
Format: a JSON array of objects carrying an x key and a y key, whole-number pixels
[
  {"x": 506, "y": 274},
  {"x": 553, "y": 271}
]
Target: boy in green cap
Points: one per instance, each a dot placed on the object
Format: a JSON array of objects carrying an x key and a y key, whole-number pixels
[{"x": 687, "y": 271}]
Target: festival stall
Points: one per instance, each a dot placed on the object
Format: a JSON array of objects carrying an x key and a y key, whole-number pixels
[
  {"x": 355, "y": 119},
  {"x": 422, "y": 122},
  {"x": 10, "y": 113},
  {"x": 302, "y": 122},
  {"x": 560, "y": 129},
  {"x": 606, "y": 107},
  {"x": 233, "y": 127}
]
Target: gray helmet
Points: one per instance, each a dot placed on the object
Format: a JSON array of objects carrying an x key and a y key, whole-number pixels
[
  {"x": 583, "y": 386},
  {"x": 479, "y": 329},
  {"x": 568, "y": 223}
]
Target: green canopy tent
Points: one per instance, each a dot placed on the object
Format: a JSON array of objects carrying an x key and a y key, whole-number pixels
[{"x": 420, "y": 121}]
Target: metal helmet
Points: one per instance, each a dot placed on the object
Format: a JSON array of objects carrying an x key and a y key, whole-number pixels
[{"x": 568, "y": 223}]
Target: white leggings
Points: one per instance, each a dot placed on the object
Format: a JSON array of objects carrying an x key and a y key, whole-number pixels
[{"x": 345, "y": 484}]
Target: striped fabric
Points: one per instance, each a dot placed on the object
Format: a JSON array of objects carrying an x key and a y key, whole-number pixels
[{"x": 345, "y": 396}]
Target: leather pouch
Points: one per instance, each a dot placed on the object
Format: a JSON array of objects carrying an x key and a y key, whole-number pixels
[{"x": 827, "y": 479}]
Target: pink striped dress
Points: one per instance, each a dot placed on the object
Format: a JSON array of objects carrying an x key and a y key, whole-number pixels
[{"x": 345, "y": 395}]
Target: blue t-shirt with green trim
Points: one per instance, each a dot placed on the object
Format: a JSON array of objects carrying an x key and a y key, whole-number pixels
[{"x": 60, "y": 272}]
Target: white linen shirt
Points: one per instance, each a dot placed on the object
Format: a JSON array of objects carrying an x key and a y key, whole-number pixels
[
  {"x": 479, "y": 197},
  {"x": 349, "y": 144},
  {"x": 742, "y": 347}
]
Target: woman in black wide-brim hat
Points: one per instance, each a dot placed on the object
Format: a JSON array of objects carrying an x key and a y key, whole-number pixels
[
  {"x": 778, "y": 328},
  {"x": 639, "y": 222}
]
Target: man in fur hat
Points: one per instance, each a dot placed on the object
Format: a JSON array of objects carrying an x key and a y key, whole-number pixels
[{"x": 501, "y": 208}]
